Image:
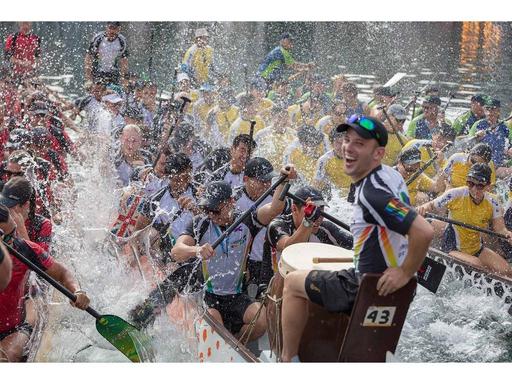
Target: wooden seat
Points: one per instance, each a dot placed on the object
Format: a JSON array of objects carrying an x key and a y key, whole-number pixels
[{"x": 376, "y": 321}]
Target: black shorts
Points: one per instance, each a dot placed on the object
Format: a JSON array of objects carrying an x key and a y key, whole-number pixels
[
  {"x": 24, "y": 328},
  {"x": 450, "y": 242},
  {"x": 335, "y": 291},
  {"x": 231, "y": 308}
]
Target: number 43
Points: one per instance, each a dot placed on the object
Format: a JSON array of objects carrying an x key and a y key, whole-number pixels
[{"x": 379, "y": 317}]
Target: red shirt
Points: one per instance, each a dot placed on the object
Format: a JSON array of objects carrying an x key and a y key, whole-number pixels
[
  {"x": 25, "y": 47},
  {"x": 11, "y": 298},
  {"x": 40, "y": 231}
]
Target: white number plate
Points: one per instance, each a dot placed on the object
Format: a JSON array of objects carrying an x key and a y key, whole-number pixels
[{"x": 379, "y": 317}]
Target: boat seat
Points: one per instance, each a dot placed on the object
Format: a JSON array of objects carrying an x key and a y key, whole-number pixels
[{"x": 376, "y": 322}]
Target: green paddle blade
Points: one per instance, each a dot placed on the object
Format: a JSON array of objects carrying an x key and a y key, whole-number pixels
[{"x": 135, "y": 345}]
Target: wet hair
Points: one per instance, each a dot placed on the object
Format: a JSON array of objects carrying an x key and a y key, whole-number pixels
[
  {"x": 177, "y": 163},
  {"x": 349, "y": 88},
  {"x": 483, "y": 150},
  {"x": 246, "y": 101},
  {"x": 445, "y": 130},
  {"x": 244, "y": 138},
  {"x": 217, "y": 159},
  {"x": 165, "y": 151}
]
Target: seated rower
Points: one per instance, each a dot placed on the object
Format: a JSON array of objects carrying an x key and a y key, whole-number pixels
[
  {"x": 222, "y": 268},
  {"x": 408, "y": 164},
  {"x": 472, "y": 204},
  {"x": 390, "y": 237}
]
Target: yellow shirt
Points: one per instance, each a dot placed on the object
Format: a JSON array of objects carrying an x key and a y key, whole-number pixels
[
  {"x": 457, "y": 169},
  {"x": 200, "y": 111},
  {"x": 329, "y": 168},
  {"x": 393, "y": 148},
  {"x": 423, "y": 146},
  {"x": 299, "y": 118},
  {"x": 240, "y": 126},
  {"x": 462, "y": 208},
  {"x": 423, "y": 183},
  {"x": 199, "y": 60},
  {"x": 223, "y": 120},
  {"x": 304, "y": 163},
  {"x": 272, "y": 145}
]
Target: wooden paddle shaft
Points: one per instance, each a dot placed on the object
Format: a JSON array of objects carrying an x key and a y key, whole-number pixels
[{"x": 318, "y": 260}]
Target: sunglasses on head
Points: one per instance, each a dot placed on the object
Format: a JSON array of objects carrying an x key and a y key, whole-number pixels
[{"x": 479, "y": 186}]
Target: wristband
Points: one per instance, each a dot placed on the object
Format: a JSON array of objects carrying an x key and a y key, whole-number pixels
[
  {"x": 79, "y": 291},
  {"x": 2, "y": 255},
  {"x": 306, "y": 223}
]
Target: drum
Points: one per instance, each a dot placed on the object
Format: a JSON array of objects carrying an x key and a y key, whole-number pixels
[{"x": 324, "y": 332}]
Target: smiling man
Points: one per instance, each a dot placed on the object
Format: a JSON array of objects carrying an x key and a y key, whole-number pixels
[{"x": 389, "y": 236}]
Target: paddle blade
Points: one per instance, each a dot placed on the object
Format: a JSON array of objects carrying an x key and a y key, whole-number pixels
[
  {"x": 430, "y": 274},
  {"x": 134, "y": 344},
  {"x": 395, "y": 79}
]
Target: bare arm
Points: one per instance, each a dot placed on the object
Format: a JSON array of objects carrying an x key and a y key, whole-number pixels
[
  {"x": 301, "y": 235},
  {"x": 184, "y": 249},
  {"x": 123, "y": 70},
  {"x": 5, "y": 268},
  {"x": 60, "y": 273}
]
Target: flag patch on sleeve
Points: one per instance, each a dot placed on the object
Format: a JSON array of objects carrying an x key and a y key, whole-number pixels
[{"x": 396, "y": 208}]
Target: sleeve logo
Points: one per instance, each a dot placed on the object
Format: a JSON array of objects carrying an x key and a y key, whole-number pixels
[{"x": 396, "y": 208}]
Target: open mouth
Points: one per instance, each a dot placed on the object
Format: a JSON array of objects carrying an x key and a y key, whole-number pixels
[{"x": 349, "y": 160}]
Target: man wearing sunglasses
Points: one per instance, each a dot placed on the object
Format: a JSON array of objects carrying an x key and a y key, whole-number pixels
[
  {"x": 409, "y": 162},
  {"x": 474, "y": 205},
  {"x": 222, "y": 269},
  {"x": 381, "y": 216},
  {"x": 15, "y": 326}
]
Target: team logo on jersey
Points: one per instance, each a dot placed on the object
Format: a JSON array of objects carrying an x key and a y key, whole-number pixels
[{"x": 396, "y": 208}]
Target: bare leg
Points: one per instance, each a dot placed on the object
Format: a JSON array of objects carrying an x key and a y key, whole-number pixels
[
  {"x": 295, "y": 313},
  {"x": 472, "y": 260},
  {"x": 495, "y": 262},
  {"x": 11, "y": 348},
  {"x": 216, "y": 315},
  {"x": 261, "y": 323}
]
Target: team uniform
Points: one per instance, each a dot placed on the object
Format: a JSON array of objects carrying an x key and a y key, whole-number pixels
[
  {"x": 272, "y": 145},
  {"x": 304, "y": 163},
  {"x": 106, "y": 55},
  {"x": 463, "y": 123},
  {"x": 461, "y": 207},
  {"x": 457, "y": 169},
  {"x": 22, "y": 47},
  {"x": 381, "y": 220},
  {"x": 223, "y": 273},
  {"x": 273, "y": 66},
  {"x": 329, "y": 169},
  {"x": 220, "y": 122},
  {"x": 425, "y": 147},
  {"x": 498, "y": 139},
  {"x": 241, "y": 125},
  {"x": 393, "y": 148},
  {"x": 12, "y": 298},
  {"x": 198, "y": 64}
]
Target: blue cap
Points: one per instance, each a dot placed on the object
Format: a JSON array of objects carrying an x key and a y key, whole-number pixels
[
  {"x": 491, "y": 102},
  {"x": 206, "y": 87}
]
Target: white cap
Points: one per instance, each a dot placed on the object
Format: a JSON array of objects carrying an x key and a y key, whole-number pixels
[
  {"x": 200, "y": 32},
  {"x": 182, "y": 76},
  {"x": 113, "y": 98},
  {"x": 397, "y": 111}
]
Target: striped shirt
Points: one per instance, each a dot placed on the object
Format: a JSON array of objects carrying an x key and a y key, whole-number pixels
[{"x": 381, "y": 219}]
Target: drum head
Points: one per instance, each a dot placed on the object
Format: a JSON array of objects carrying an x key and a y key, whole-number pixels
[{"x": 300, "y": 257}]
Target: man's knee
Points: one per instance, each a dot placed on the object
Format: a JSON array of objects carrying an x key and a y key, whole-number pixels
[{"x": 294, "y": 284}]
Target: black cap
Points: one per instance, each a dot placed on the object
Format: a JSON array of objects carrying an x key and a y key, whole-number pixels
[
  {"x": 491, "y": 102},
  {"x": 480, "y": 172},
  {"x": 215, "y": 194},
  {"x": 114, "y": 23},
  {"x": 432, "y": 100},
  {"x": 483, "y": 150},
  {"x": 377, "y": 131},
  {"x": 259, "y": 168},
  {"x": 314, "y": 194},
  {"x": 411, "y": 155},
  {"x": 286, "y": 35},
  {"x": 310, "y": 136},
  {"x": 16, "y": 191},
  {"x": 479, "y": 98},
  {"x": 177, "y": 163}
]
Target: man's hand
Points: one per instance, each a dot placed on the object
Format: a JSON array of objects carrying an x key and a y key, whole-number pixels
[
  {"x": 290, "y": 171},
  {"x": 186, "y": 202},
  {"x": 205, "y": 251},
  {"x": 423, "y": 209},
  {"x": 82, "y": 300},
  {"x": 311, "y": 211},
  {"x": 392, "y": 280}
]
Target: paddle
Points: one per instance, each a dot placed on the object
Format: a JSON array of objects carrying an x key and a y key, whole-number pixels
[
  {"x": 251, "y": 134},
  {"x": 319, "y": 260},
  {"x": 297, "y": 199},
  {"x": 395, "y": 79},
  {"x": 422, "y": 169},
  {"x": 468, "y": 226},
  {"x": 144, "y": 313},
  {"x": 122, "y": 335},
  {"x": 392, "y": 126}
]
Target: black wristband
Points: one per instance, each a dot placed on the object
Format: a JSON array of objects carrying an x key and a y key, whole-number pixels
[{"x": 2, "y": 255}]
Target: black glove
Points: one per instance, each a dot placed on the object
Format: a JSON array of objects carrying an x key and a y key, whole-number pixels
[{"x": 311, "y": 212}]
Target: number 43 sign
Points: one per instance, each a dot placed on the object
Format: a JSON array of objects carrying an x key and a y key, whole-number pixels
[{"x": 379, "y": 317}]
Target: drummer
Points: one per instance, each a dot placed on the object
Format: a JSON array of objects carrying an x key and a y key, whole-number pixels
[
  {"x": 302, "y": 224},
  {"x": 386, "y": 232}
]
